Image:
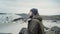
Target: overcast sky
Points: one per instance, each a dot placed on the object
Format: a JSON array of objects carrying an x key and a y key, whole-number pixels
[{"x": 45, "y": 7}]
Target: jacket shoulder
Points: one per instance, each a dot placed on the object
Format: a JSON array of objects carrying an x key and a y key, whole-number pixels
[{"x": 36, "y": 20}]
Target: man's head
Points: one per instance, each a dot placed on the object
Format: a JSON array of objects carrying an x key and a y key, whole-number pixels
[{"x": 33, "y": 12}]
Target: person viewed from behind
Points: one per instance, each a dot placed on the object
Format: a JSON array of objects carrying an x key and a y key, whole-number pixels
[{"x": 35, "y": 25}]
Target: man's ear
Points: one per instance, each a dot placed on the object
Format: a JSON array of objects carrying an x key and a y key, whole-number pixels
[{"x": 30, "y": 13}]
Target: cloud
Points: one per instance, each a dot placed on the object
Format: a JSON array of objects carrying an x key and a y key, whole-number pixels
[{"x": 46, "y": 7}]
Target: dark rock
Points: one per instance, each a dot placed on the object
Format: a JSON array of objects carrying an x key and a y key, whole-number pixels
[
  {"x": 23, "y": 31},
  {"x": 56, "y": 29}
]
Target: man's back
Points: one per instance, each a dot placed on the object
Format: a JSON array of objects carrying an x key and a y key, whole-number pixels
[{"x": 35, "y": 26}]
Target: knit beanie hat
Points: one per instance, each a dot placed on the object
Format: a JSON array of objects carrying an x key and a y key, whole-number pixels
[{"x": 34, "y": 11}]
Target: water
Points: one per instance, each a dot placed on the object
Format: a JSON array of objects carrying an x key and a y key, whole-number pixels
[
  {"x": 7, "y": 26},
  {"x": 15, "y": 27},
  {"x": 7, "y": 18},
  {"x": 50, "y": 23}
]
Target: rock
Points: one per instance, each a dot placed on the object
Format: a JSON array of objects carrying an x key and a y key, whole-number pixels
[
  {"x": 56, "y": 29},
  {"x": 23, "y": 31}
]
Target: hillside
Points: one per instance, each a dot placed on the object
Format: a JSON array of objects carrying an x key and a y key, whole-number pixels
[{"x": 44, "y": 17}]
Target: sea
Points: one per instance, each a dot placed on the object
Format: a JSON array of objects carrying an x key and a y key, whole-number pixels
[{"x": 7, "y": 26}]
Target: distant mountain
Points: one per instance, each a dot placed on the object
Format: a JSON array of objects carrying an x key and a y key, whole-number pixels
[
  {"x": 3, "y": 13},
  {"x": 52, "y": 17},
  {"x": 23, "y": 15},
  {"x": 44, "y": 17}
]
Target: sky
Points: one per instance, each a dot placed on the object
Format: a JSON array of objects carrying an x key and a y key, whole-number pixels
[{"x": 45, "y": 7}]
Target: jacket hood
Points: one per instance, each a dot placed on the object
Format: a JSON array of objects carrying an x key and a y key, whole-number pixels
[{"x": 37, "y": 17}]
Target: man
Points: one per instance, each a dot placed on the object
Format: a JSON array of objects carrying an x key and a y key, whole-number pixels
[{"x": 35, "y": 25}]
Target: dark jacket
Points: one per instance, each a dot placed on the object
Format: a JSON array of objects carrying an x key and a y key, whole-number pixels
[{"x": 35, "y": 25}]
